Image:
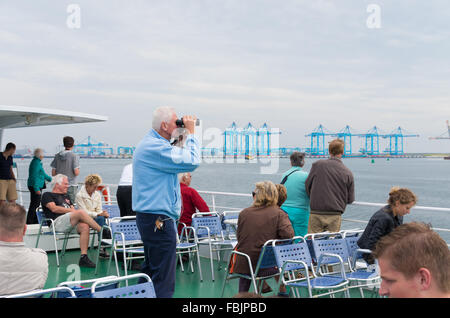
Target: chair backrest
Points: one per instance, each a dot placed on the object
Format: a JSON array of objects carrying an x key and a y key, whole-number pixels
[
  {"x": 297, "y": 251},
  {"x": 127, "y": 226},
  {"x": 112, "y": 209},
  {"x": 40, "y": 215},
  {"x": 39, "y": 293},
  {"x": 140, "y": 290},
  {"x": 81, "y": 290},
  {"x": 211, "y": 221},
  {"x": 266, "y": 257},
  {"x": 336, "y": 246}
]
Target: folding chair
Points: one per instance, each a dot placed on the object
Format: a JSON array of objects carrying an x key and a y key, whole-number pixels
[
  {"x": 360, "y": 277},
  {"x": 81, "y": 290},
  {"x": 208, "y": 228},
  {"x": 230, "y": 229},
  {"x": 43, "y": 221},
  {"x": 42, "y": 292},
  {"x": 294, "y": 259},
  {"x": 187, "y": 243},
  {"x": 113, "y": 211},
  {"x": 139, "y": 290},
  {"x": 125, "y": 239},
  {"x": 266, "y": 260}
]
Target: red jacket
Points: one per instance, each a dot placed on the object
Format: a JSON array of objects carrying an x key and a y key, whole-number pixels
[{"x": 191, "y": 201}]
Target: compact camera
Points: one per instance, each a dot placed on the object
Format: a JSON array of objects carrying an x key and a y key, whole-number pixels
[{"x": 180, "y": 123}]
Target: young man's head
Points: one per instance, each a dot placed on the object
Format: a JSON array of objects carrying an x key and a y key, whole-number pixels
[
  {"x": 10, "y": 148},
  {"x": 68, "y": 142},
  {"x": 336, "y": 148},
  {"x": 12, "y": 222},
  {"x": 414, "y": 262}
]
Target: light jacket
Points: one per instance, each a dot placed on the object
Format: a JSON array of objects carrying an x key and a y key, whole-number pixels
[
  {"x": 22, "y": 269},
  {"x": 295, "y": 187},
  {"x": 156, "y": 165},
  {"x": 92, "y": 205},
  {"x": 37, "y": 175}
]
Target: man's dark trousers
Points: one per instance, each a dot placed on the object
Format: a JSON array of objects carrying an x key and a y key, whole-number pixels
[{"x": 159, "y": 252}]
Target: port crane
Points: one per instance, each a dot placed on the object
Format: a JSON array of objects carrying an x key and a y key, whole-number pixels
[{"x": 442, "y": 136}]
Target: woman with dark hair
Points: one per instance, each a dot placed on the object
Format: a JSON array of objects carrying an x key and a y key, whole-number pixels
[
  {"x": 261, "y": 222},
  {"x": 36, "y": 182},
  {"x": 297, "y": 202},
  {"x": 385, "y": 220}
]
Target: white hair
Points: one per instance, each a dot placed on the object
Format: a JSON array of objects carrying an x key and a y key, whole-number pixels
[
  {"x": 58, "y": 179},
  {"x": 160, "y": 115},
  {"x": 38, "y": 152},
  {"x": 182, "y": 175}
]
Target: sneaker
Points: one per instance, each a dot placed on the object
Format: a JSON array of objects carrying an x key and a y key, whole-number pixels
[
  {"x": 86, "y": 262},
  {"x": 103, "y": 253}
]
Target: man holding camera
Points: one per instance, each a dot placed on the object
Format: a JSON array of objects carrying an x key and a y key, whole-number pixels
[{"x": 156, "y": 193}]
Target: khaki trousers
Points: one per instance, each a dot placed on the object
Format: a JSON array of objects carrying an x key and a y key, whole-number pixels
[{"x": 324, "y": 222}]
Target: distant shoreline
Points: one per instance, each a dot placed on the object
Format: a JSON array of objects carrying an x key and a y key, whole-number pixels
[{"x": 403, "y": 156}]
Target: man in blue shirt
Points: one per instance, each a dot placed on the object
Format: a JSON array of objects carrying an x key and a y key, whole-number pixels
[{"x": 156, "y": 194}]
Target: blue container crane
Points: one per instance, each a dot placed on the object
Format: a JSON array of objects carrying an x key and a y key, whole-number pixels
[
  {"x": 396, "y": 141},
  {"x": 318, "y": 141}
]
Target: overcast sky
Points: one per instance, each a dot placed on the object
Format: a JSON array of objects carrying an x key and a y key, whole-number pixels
[{"x": 293, "y": 64}]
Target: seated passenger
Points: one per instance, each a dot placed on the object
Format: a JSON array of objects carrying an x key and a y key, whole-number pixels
[
  {"x": 22, "y": 269},
  {"x": 192, "y": 201},
  {"x": 261, "y": 222},
  {"x": 400, "y": 202},
  {"x": 282, "y": 194},
  {"x": 90, "y": 200},
  {"x": 58, "y": 207},
  {"x": 414, "y": 263}
]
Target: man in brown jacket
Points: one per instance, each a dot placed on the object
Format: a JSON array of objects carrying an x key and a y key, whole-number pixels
[{"x": 330, "y": 186}]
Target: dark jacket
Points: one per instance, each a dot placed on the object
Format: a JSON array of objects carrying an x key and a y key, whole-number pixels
[
  {"x": 257, "y": 225},
  {"x": 380, "y": 224},
  {"x": 330, "y": 186}
]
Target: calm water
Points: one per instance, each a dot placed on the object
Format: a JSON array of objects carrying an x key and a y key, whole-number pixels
[{"x": 429, "y": 179}]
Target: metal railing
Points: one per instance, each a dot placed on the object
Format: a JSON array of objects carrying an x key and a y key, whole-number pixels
[{"x": 215, "y": 207}]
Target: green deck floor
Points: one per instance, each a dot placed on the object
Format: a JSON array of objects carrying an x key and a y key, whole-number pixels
[{"x": 187, "y": 285}]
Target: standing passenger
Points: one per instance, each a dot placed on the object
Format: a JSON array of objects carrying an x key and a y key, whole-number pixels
[
  {"x": 36, "y": 182},
  {"x": 330, "y": 187},
  {"x": 297, "y": 202},
  {"x": 157, "y": 197},
  {"x": 123, "y": 193},
  {"x": 7, "y": 178},
  {"x": 68, "y": 164}
]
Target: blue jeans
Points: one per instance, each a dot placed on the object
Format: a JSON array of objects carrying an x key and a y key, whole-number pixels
[{"x": 159, "y": 251}]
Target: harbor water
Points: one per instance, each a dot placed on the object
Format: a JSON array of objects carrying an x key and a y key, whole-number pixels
[{"x": 428, "y": 178}]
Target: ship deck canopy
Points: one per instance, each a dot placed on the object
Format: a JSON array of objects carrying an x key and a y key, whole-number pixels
[{"x": 20, "y": 117}]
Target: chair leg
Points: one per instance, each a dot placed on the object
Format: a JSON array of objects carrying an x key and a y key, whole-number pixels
[
  {"x": 56, "y": 248},
  {"x": 199, "y": 264},
  {"x": 98, "y": 253},
  {"x": 211, "y": 260}
]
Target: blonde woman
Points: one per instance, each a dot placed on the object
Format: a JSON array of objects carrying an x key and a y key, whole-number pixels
[
  {"x": 385, "y": 220},
  {"x": 90, "y": 200},
  {"x": 261, "y": 222}
]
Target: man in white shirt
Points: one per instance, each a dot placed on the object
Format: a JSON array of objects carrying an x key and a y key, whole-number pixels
[
  {"x": 123, "y": 194},
  {"x": 22, "y": 269}
]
